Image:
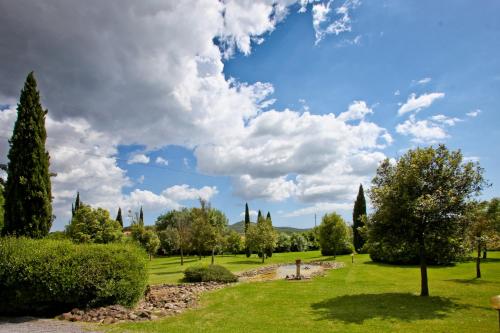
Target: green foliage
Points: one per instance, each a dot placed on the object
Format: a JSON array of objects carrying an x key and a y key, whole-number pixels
[
  {"x": 150, "y": 242},
  {"x": 53, "y": 276},
  {"x": 214, "y": 273},
  {"x": 234, "y": 243},
  {"x": 119, "y": 217},
  {"x": 2, "y": 201},
  {"x": 420, "y": 204},
  {"x": 169, "y": 240},
  {"x": 357, "y": 219},
  {"x": 283, "y": 243},
  {"x": 334, "y": 236},
  {"x": 312, "y": 237},
  {"x": 28, "y": 196},
  {"x": 93, "y": 226},
  {"x": 57, "y": 235},
  {"x": 248, "y": 251},
  {"x": 261, "y": 237},
  {"x": 298, "y": 243}
]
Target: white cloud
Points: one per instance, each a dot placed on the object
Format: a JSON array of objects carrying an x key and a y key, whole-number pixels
[
  {"x": 140, "y": 180},
  {"x": 449, "y": 121},
  {"x": 324, "y": 25},
  {"x": 474, "y": 113},
  {"x": 160, "y": 160},
  {"x": 357, "y": 110},
  {"x": 423, "y": 131},
  {"x": 250, "y": 212},
  {"x": 397, "y": 93},
  {"x": 185, "y": 192},
  {"x": 138, "y": 158},
  {"x": 415, "y": 103},
  {"x": 319, "y": 208},
  {"x": 425, "y": 80}
]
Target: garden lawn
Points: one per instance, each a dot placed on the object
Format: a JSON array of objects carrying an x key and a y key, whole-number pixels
[{"x": 362, "y": 297}]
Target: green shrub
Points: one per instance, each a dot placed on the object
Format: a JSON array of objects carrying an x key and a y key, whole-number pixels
[
  {"x": 214, "y": 273},
  {"x": 52, "y": 276}
]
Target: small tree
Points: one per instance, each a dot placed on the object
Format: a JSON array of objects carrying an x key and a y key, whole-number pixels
[
  {"x": 357, "y": 219},
  {"x": 93, "y": 226},
  {"x": 283, "y": 243},
  {"x": 234, "y": 243},
  {"x": 270, "y": 249},
  {"x": 169, "y": 240},
  {"x": 334, "y": 236},
  {"x": 422, "y": 200},
  {"x": 261, "y": 237},
  {"x": 248, "y": 252},
  {"x": 28, "y": 196},
  {"x": 150, "y": 242},
  {"x": 298, "y": 242}
]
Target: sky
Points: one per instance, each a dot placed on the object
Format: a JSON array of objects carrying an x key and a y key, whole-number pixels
[{"x": 287, "y": 105}]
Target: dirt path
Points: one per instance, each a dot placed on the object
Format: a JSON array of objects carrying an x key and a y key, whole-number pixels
[{"x": 37, "y": 325}]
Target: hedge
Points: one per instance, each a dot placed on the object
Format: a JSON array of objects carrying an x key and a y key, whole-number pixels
[
  {"x": 53, "y": 276},
  {"x": 208, "y": 273}
]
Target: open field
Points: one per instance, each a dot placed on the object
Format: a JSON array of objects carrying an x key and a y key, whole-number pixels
[{"x": 362, "y": 297}]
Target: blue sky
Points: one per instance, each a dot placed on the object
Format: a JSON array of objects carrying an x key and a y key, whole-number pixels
[{"x": 414, "y": 73}]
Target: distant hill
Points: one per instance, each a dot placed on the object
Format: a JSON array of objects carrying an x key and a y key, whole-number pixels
[{"x": 239, "y": 227}]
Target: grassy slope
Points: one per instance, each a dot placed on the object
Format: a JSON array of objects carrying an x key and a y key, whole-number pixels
[{"x": 364, "y": 297}]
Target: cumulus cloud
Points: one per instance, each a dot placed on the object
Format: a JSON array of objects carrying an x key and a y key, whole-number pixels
[
  {"x": 415, "y": 103},
  {"x": 431, "y": 130},
  {"x": 160, "y": 160},
  {"x": 250, "y": 212},
  {"x": 318, "y": 208},
  {"x": 138, "y": 158},
  {"x": 357, "y": 110}
]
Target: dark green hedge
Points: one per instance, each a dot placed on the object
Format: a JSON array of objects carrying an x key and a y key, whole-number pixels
[
  {"x": 214, "y": 273},
  {"x": 52, "y": 276}
]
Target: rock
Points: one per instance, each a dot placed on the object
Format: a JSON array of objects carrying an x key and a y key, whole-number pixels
[{"x": 108, "y": 320}]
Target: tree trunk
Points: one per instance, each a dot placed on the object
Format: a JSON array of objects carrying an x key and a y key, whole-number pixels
[
  {"x": 150, "y": 257},
  {"x": 424, "y": 286},
  {"x": 478, "y": 261},
  {"x": 263, "y": 254},
  {"x": 182, "y": 257},
  {"x": 213, "y": 255}
]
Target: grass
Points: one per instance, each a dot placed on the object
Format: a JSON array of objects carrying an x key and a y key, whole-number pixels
[{"x": 362, "y": 297}]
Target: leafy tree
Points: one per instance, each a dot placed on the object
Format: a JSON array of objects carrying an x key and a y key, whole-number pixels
[
  {"x": 298, "y": 242},
  {"x": 482, "y": 228},
  {"x": 169, "y": 240},
  {"x": 119, "y": 217},
  {"x": 248, "y": 252},
  {"x": 141, "y": 216},
  {"x": 150, "y": 242},
  {"x": 261, "y": 236},
  {"x": 28, "y": 196},
  {"x": 283, "y": 243},
  {"x": 2, "y": 201},
  {"x": 357, "y": 219},
  {"x": 334, "y": 236},
  {"x": 93, "y": 226},
  {"x": 422, "y": 200},
  {"x": 312, "y": 237},
  {"x": 234, "y": 243}
]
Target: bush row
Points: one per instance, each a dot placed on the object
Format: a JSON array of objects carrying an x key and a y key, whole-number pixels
[
  {"x": 52, "y": 276},
  {"x": 208, "y": 273}
]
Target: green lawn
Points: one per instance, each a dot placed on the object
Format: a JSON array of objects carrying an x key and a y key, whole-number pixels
[
  {"x": 362, "y": 297},
  {"x": 169, "y": 270}
]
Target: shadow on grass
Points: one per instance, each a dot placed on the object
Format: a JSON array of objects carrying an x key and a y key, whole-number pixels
[
  {"x": 177, "y": 262},
  {"x": 396, "y": 306},
  {"x": 246, "y": 262},
  {"x": 469, "y": 281}
]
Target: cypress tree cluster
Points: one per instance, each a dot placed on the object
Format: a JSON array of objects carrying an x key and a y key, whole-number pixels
[
  {"x": 357, "y": 222},
  {"x": 28, "y": 196}
]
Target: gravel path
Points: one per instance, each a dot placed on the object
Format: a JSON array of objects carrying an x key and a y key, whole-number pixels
[{"x": 37, "y": 325}]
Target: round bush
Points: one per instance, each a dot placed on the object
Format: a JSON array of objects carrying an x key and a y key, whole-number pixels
[
  {"x": 52, "y": 276},
  {"x": 213, "y": 273}
]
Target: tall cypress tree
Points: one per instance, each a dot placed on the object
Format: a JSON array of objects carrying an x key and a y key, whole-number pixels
[
  {"x": 28, "y": 196},
  {"x": 268, "y": 217},
  {"x": 141, "y": 217},
  {"x": 77, "y": 201},
  {"x": 357, "y": 222},
  {"x": 119, "y": 218},
  {"x": 259, "y": 215},
  {"x": 247, "y": 225}
]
